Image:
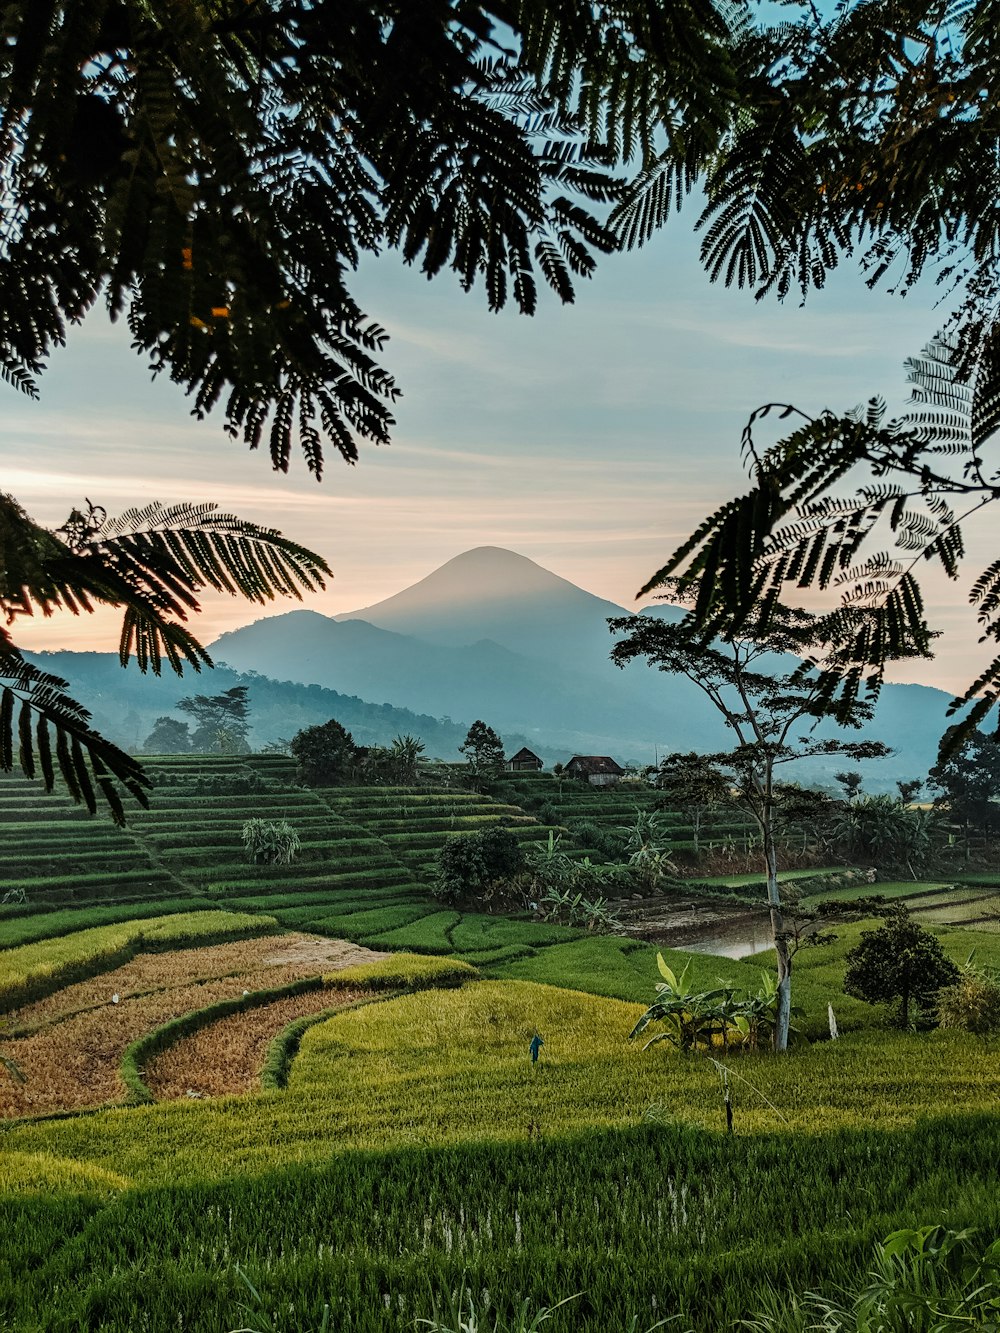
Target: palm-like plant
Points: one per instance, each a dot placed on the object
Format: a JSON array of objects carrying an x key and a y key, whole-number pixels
[
  {"x": 887, "y": 831},
  {"x": 690, "y": 1018},
  {"x": 150, "y": 563},
  {"x": 404, "y": 753}
]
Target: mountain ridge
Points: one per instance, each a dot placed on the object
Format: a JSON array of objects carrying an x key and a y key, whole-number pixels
[{"x": 531, "y": 656}]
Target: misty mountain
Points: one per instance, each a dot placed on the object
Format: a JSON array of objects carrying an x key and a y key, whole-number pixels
[
  {"x": 491, "y": 634},
  {"x": 557, "y": 705},
  {"x": 125, "y": 704},
  {"x": 490, "y": 593}
]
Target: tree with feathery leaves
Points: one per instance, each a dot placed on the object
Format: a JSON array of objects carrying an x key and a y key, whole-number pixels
[{"x": 772, "y": 707}]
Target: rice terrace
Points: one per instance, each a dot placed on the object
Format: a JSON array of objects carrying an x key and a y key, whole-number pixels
[{"x": 254, "y": 1092}]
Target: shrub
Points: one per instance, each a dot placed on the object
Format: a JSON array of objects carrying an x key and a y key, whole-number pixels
[
  {"x": 610, "y": 842},
  {"x": 475, "y": 863},
  {"x": 972, "y": 1004},
  {"x": 270, "y": 842},
  {"x": 928, "y": 1279}
]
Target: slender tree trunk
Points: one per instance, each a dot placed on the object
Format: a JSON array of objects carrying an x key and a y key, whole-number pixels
[
  {"x": 695, "y": 829},
  {"x": 783, "y": 1017}
]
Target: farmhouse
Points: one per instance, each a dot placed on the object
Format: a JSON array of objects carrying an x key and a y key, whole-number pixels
[
  {"x": 525, "y": 761},
  {"x": 600, "y": 770}
]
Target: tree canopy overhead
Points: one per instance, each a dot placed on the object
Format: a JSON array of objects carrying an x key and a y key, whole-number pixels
[
  {"x": 869, "y": 131},
  {"x": 215, "y": 170}
]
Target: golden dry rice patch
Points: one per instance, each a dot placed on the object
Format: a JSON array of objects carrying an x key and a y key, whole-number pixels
[
  {"x": 228, "y": 1055},
  {"x": 71, "y": 1061}
]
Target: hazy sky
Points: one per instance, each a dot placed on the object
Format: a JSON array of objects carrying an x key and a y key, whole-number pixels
[{"x": 591, "y": 438}]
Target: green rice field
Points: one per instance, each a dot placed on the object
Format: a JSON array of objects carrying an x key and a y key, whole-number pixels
[{"x": 398, "y": 1144}]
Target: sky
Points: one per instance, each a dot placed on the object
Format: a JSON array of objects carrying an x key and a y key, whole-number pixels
[{"x": 591, "y": 438}]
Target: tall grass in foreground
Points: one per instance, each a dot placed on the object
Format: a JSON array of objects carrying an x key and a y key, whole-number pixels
[{"x": 644, "y": 1223}]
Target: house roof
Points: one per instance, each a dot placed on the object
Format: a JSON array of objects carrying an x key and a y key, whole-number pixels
[
  {"x": 595, "y": 763},
  {"x": 524, "y": 753}
]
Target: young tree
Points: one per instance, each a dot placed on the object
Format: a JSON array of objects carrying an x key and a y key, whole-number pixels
[
  {"x": 168, "y": 736},
  {"x": 483, "y": 748},
  {"x": 773, "y": 715},
  {"x": 694, "y": 786},
  {"x": 221, "y": 721},
  {"x": 325, "y": 755},
  {"x": 850, "y": 781},
  {"x": 899, "y": 961}
]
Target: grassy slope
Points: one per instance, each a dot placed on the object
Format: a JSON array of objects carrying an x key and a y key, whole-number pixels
[{"x": 451, "y": 1066}]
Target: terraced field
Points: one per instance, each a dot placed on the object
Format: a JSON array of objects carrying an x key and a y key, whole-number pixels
[
  {"x": 364, "y": 1140},
  {"x": 952, "y": 902},
  {"x": 70, "y": 1045},
  {"x": 610, "y": 808}
]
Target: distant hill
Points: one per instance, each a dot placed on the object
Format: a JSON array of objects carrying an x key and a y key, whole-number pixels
[
  {"x": 125, "y": 704},
  {"x": 492, "y": 634},
  {"x": 558, "y": 704}
]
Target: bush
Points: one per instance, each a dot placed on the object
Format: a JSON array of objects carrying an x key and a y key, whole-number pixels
[
  {"x": 971, "y": 1005},
  {"x": 475, "y": 863},
  {"x": 610, "y": 842},
  {"x": 923, "y": 1281},
  {"x": 270, "y": 842}
]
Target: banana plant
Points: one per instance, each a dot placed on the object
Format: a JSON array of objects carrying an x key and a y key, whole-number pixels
[
  {"x": 754, "y": 1016},
  {"x": 691, "y": 1018}
]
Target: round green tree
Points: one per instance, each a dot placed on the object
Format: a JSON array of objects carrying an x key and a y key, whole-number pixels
[
  {"x": 901, "y": 961},
  {"x": 470, "y": 864},
  {"x": 325, "y": 755}
]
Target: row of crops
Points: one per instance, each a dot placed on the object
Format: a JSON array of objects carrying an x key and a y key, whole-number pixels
[{"x": 417, "y": 1148}]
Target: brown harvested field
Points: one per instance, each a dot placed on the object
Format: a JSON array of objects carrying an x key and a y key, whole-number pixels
[
  {"x": 76, "y": 1038},
  {"x": 229, "y": 1055}
]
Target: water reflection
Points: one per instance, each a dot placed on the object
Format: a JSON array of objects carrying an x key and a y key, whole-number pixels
[{"x": 737, "y": 937}]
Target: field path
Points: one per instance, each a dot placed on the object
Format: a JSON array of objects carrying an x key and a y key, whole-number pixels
[{"x": 71, "y": 1043}]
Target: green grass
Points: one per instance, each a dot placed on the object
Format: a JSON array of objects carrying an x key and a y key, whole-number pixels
[
  {"x": 646, "y": 1221},
  {"x": 786, "y": 877},
  {"x": 452, "y": 1067},
  {"x": 490, "y": 932},
  {"x": 431, "y": 934},
  {"x": 906, "y": 888},
  {"x": 416, "y": 1146},
  {"x": 987, "y": 907},
  {"x": 403, "y": 971},
  {"x": 366, "y": 924},
  {"x": 49, "y": 925}
]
